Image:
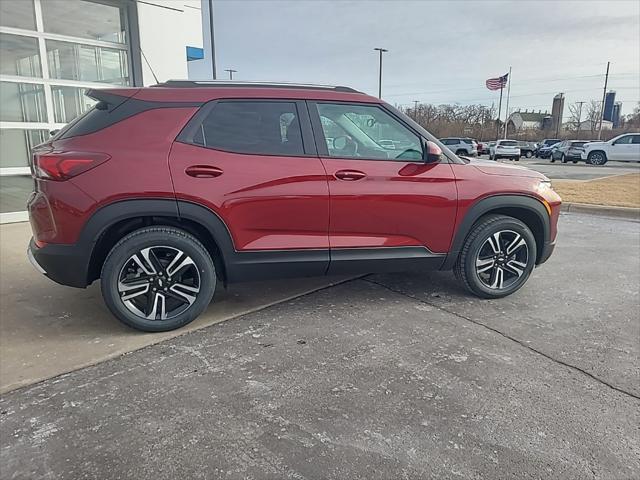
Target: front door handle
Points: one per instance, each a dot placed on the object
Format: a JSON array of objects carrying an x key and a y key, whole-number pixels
[
  {"x": 203, "y": 171},
  {"x": 350, "y": 175}
]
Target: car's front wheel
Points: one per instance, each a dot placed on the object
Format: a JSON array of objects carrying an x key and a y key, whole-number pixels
[
  {"x": 157, "y": 279},
  {"x": 497, "y": 257},
  {"x": 528, "y": 154},
  {"x": 597, "y": 158}
]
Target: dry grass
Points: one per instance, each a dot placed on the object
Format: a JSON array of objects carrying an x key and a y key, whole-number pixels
[{"x": 619, "y": 191}]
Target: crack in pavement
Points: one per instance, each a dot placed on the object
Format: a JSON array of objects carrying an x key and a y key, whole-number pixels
[{"x": 505, "y": 335}]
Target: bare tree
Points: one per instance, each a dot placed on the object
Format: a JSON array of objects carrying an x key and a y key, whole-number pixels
[
  {"x": 632, "y": 120},
  {"x": 576, "y": 115},
  {"x": 593, "y": 115}
]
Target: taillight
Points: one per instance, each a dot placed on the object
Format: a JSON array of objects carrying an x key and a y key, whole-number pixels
[{"x": 61, "y": 166}]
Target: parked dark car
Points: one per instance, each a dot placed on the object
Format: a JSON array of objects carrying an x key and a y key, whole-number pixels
[
  {"x": 164, "y": 193},
  {"x": 544, "y": 149},
  {"x": 527, "y": 149}
]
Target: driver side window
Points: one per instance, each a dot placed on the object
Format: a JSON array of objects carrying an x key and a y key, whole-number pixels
[
  {"x": 624, "y": 140},
  {"x": 367, "y": 132}
]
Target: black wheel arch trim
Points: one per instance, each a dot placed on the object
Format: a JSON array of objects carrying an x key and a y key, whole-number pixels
[
  {"x": 239, "y": 265},
  {"x": 497, "y": 203}
]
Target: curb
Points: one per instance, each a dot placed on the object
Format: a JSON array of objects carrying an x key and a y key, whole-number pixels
[{"x": 605, "y": 210}]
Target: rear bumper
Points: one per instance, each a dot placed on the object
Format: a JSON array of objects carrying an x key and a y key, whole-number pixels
[{"x": 64, "y": 264}]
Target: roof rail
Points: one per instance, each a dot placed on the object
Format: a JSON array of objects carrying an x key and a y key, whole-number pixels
[{"x": 235, "y": 84}]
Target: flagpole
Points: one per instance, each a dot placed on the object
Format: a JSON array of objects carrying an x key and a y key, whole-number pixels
[
  {"x": 499, "y": 112},
  {"x": 506, "y": 115}
]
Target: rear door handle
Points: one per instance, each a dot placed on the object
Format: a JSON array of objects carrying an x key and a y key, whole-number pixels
[
  {"x": 203, "y": 171},
  {"x": 350, "y": 175}
]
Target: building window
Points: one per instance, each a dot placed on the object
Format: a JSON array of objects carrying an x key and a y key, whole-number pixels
[
  {"x": 69, "y": 103},
  {"x": 15, "y": 145},
  {"x": 22, "y": 102},
  {"x": 17, "y": 14},
  {"x": 86, "y": 45},
  {"x": 89, "y": 20},
  {"x": 19, "y": 56},
  {"x": 87, "y": 63}
]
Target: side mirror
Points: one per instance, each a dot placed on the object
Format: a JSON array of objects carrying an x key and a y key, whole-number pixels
[
  {"x": 53, "y": 132},
  {"x": 433, "y": 153}
]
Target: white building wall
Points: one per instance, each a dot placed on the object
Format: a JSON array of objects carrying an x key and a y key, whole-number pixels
[{"x": 166, "y": 28}]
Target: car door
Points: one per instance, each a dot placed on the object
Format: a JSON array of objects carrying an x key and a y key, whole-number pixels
[
  {"x": 385, "y": 205},
  {"x": 635, "y": 148},
  {"x": 254, "y": 163},
  {"x": 622, "y": 149}
]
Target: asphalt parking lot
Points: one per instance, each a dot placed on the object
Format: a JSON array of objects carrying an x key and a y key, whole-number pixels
[
  {"x": 386, "y": 376},
  {"x": 574, "y": 171}
]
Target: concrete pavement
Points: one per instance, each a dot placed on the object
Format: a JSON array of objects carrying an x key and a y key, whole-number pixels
[
  {"x": 390, "y": 377},
  {"x": 47, "y": 329}
]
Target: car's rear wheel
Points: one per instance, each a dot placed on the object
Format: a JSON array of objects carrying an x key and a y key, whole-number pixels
[
  {"x": 461, "y": 152},
  {"x": 597, "y": 158},
  {"x": 158, "y": 278},
  {"x": 563, "y": 158},
  {"x": 497, "y": 257}
]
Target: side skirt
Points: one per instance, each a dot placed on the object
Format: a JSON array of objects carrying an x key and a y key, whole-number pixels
[
  {"x": 248, "y": 266},
  {"x": 384, "y": 259}
]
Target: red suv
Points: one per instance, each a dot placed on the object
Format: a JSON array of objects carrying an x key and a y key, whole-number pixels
[{"x": 163, "y": 192}]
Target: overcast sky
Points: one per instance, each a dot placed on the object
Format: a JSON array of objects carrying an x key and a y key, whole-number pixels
[{"x": 439, "y": 51}]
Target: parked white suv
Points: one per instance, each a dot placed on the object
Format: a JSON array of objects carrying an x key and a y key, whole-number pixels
[
  {"x": 623, "y": 148},
  {"x": 461, "y": 146},
  {"x": 505, "y": 149}
]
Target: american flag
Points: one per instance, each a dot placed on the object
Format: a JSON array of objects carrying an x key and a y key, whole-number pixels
[{"x": 497, "y": 83}]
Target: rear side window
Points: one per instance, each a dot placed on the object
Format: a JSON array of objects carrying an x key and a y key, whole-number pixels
[
  {"x": 261, "y": 127},
  {"x": 450, "y": 141}
]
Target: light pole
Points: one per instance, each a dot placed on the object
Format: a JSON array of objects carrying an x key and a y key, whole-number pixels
[
  {"x": 381, "y": 50},
  {"x": 231, "y": 72}
]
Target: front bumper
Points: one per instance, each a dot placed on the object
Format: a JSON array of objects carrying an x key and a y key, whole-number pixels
[
  {"x": 64, "y": 264},
  {"x": 547, "y": 250}
]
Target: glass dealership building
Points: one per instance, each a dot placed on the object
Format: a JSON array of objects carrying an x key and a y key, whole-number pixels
[{"x": 52, "y": 51}]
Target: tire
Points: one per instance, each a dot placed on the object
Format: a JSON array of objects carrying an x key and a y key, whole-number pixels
[
  {"x": 479, "y": 247},
  {"x": 597, "y": 158},
  {"x": 563, "y": 158},
  {"x": 518, "y": 158},
  {"x": 528, "y": 154},
  {"x": 575, "y": 161},
  {"x": 461, "y": 152},
  {"x": 179, "y": 299}
]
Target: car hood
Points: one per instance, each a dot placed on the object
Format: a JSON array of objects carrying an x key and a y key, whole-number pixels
[{"x": 492, "y": 168}]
